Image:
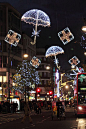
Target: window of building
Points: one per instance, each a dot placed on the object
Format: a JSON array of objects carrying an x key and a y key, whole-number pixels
[
  {"x": 4, "y": 61},
  {"x": 4, "y": 47},
  {"x": 48, "y": 74},
  {"x": 40, "y": 74},
  {"x": 44, "y": 58},
  {"x": 0, "y": 46},
  {"x": 44, "y": 82},
  {"x": 1, "y": 15},
  {"x": 4, "y": 79},
  {"x": 0, "y": 61},
  {"x": 44, "y": 74},
  {"x": 49, "y": 82},
  {"x": 0, "y": 78}
]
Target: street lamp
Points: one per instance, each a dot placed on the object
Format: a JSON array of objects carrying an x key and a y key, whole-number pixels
[
  {"x": 25, "y": 55},
  {"x": 84, "y": 28},
  {"x": 85, "y": 52},
  {"x": 66, "y": 86},
  {"x": 48, "y": 67}
]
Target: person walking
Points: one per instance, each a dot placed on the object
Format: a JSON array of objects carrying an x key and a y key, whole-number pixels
[
  {"x": 58, "y": 104},
  {"x": 26, "y": 113},
  {"x": 39, "y": 107}
]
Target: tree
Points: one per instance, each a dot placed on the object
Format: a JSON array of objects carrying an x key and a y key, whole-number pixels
[{"x": 25, "y": 76}]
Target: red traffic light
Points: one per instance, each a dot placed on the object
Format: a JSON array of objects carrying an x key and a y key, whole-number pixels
[
  {"x": 38, "y": 90},
  {"x": 50, "y": 92}
]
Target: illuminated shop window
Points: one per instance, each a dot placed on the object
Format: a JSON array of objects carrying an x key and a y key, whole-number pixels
[
  {"x": 0, "y": 61},
  {"x": 0, "y": 78},
  {"x": 4, "y": 79}
]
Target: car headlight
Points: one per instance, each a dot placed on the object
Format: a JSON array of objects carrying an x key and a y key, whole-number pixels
[{"x": 80, "y": 108}]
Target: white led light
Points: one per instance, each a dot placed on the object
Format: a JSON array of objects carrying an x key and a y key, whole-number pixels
[{"x": 80, "y": 108}]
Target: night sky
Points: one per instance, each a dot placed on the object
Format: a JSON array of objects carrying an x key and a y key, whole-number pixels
[{"x": 62, "y": 14}]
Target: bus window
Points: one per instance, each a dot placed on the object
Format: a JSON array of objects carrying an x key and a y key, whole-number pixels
[{"x": 82, "y": 89}]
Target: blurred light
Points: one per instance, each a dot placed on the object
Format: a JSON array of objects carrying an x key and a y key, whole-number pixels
[
  {"x": 47, "y": 67},
  {"x": 38, "y": 89},
  {"x": 80, "y": 108},
  {"x": 73, "y": 66},
  {"x": 25, "y": 55},
  {"x": 0, "y": 88},
  {"x": 50, "y": 92},
  {"x": 66, "y": 86},
  {"x": 84, "y": 28},
  {"x": 85, "y": 53}
]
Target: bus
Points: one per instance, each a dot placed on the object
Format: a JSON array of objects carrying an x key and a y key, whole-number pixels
[{"x": 80, "y": 94}]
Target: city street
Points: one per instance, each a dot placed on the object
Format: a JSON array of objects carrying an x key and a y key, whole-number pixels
[{"x": 43, "y": 121}]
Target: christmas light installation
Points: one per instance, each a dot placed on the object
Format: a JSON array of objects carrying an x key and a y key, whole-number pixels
[
  {"x": 37, "y": 18},
  {"x": 65, "y": 35},
  {"x": 57, "y": 82},
  {"x": 83, "y": 41},
  {"x": 12, "y": 38},
  {"x": 35, "y": 62},
  {"x": 28, "y": 76},
  {"x": 74, "y": 61},
  {"x": 77, "y": 70},
  {"x": 53, "y": 51}
]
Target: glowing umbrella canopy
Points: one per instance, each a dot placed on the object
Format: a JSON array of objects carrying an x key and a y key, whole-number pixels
[
  {"x": 37, "y": 18},
  {"x": 53, "y": 51}
]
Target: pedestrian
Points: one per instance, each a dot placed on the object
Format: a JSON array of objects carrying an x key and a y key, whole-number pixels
[
  {"x": 58, "y": 104},
  {"x": 39, "y": 107},
  {"x": 11, "y": 106},
  {"x": 26, "y": 113}
]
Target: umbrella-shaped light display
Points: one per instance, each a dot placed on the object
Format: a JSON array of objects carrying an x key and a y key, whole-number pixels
[
  {"x": 53, "y": 51},
  {"x": 37, "y": 18}
]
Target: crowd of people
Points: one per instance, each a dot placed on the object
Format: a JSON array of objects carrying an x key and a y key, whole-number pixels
[{"x": 6, "y": 107}]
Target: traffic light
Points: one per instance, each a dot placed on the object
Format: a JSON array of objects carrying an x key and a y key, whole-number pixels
[
  {"x": 5, "y": 96},
  {"x": 38, "y": 90},
  {"x": 50, "y": 92}
]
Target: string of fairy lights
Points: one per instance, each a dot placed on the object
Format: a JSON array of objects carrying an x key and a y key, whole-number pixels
[{"x": 25, "y": 75}]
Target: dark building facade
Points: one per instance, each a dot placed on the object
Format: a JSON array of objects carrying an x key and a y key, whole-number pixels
[
  {"x": 11, "y": 56},
  {"x": 45, "y": 71}
]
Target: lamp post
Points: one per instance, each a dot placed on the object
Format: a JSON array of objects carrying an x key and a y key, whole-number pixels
[
  {"x": 25, "y": 57},
  {"x": 9, "y": 72}
]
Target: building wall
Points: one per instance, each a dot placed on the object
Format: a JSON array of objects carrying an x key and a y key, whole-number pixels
[
  {"x": 10, "y": 19},
  {"x": 28, "y": 47},
  {"x": 45, "y": 74}
]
